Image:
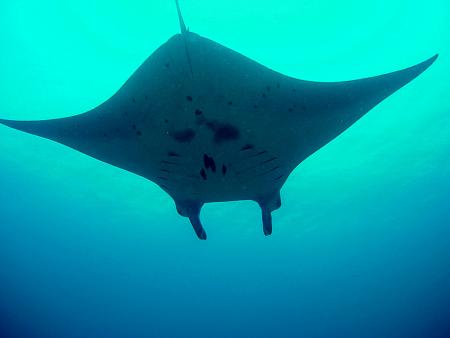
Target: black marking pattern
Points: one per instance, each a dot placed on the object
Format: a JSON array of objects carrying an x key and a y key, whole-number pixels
[
  {"x": 209, "y": 163},
  {"x": 203, "y": 174},
  {"x": 184, "y": 135},
  {"x": 224, "y": 170},
  {"x": 247, "y": 147},
  {"x": 223, "y": 131}
]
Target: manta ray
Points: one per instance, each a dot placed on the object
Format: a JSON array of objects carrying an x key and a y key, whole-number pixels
[{"x": 207, "y": 124}]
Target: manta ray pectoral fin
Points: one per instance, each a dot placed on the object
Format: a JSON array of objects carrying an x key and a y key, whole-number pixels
[
  {"x": 337, "y": 105},
  {"x": 88, "y": 133},
  {"x": 43, "y": 128},
  {"x": 67, "y": 130},
  {"x": 191, "y": 209},
  {"x": 364, "y": 94}
]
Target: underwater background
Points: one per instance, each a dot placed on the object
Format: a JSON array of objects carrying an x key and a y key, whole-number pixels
[{"x": 361, "y": 245}]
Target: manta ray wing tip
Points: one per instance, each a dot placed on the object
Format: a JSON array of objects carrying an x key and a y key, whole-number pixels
[
  {"x": 431, "y": 60},
  {"x": 19, "y": 125},
  {"x": 421, "y": 67}
]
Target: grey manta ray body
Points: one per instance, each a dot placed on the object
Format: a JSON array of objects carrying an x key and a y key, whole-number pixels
[{"x": 208, "y": 124}]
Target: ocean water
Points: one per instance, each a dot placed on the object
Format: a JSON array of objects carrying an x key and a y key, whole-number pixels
[{"x": 361, "y": 245}]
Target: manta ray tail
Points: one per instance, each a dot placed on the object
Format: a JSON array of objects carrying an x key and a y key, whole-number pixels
[
  {"x": 184, "y": 32},
  {"x": 180, "y": 17}
]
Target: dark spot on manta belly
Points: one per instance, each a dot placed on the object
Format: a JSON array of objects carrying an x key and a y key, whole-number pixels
[
  {"x": 226, "y": 133},
  {"x": 209, "y": 163},
  {"x": 173, "y": 154},
  {"x": 247, "y": 147},
  {"x": 224, "y": 169},
  {"x": 198, "y": 112},
  {"x": 189, "y": 98},
  {"x": 203, "y": 174},
  {"x": 223, "y": 131},
  {"x": 184, "y": 135}
]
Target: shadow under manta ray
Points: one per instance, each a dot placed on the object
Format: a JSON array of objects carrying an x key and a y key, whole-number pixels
[{"x": 208, "y": 124}]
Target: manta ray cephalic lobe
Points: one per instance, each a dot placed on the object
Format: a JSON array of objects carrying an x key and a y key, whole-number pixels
[{"x": 208, "y": 124}]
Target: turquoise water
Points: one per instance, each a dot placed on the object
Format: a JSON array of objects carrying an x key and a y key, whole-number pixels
[{"x": 361, "y": 245}]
